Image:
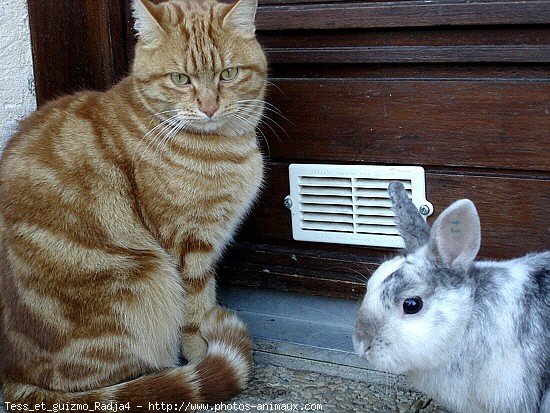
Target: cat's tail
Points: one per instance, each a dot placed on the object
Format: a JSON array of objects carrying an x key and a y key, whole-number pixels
[{"x": 220, "y": 375}]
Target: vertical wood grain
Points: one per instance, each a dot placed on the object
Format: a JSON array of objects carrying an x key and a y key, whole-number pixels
[{"x": 77, "y": 45}]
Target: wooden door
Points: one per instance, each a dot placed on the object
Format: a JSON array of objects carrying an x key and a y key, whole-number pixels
[{"x": 458, "y": 87}]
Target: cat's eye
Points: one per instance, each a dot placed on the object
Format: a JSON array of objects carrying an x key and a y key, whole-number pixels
[
  {"x": 412, "y": 305},
  {"x": 229, "y": 74},
  {"x": 180, "y": 79}
]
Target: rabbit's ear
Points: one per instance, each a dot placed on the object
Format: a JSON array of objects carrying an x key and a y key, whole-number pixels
[
  {"x": 412, "y": 226},
  {"x": 456, "y": 235}
]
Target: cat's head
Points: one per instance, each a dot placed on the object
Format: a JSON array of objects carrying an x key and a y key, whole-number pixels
[{"x": 198, "y": 61}]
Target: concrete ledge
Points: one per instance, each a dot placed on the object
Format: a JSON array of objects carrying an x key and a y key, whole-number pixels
[{"x": 302, "y": 332}]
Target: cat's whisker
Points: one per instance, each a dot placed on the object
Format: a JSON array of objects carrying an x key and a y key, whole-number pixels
[
  {"x": 266, "y": 142},
  {"x": 261, "y": 133},
  {"x": 245, "y": 109},
  {"x": 241, "y": 118},
  {"x": 268, "y": 107},
  {"x": 164, "y": 139},
  {"x": 275, "y": 86},
  {"x": 164, "y": 122},
  {"x": 273, "y": 110},
  {"x": 159, "y": 137},
  {"x": 162, "y": 125},
  {"x": 260, "y": 106},
  {"x": 182, "y": 125},
  {"x": 270, "y": 119},
  {"x": 263, "y": 121},
  {"x": 163, "y": 133},
  {"x": 265, "y": 104}
]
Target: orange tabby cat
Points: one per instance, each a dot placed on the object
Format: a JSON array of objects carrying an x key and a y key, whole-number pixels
[{"x": 114, "y": 208}]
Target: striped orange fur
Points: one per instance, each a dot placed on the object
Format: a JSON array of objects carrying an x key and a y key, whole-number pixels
[{"x": 115, "y": 207}]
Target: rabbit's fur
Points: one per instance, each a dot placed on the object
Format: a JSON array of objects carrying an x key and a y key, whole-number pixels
[{"x": 481, "y": 341}]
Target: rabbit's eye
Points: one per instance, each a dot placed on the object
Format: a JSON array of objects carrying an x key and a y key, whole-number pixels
[{"x": 412, "y": 305}]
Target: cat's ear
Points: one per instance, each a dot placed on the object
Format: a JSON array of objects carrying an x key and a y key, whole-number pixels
[
  {"x": 241, "y": 17},
  {"x": 147, "y": 16}
]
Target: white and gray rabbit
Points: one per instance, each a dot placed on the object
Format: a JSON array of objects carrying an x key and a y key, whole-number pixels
[{"x": 473, "y": 335}]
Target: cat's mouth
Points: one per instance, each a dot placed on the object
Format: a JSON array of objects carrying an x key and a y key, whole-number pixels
[{"x": 207, "y": 125}]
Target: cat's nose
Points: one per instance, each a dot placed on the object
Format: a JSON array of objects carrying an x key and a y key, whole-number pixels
[{"x": 210, "y": 109}]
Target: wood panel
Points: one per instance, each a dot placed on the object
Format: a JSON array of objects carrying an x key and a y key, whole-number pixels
[
  {"x": 291, "y": 278},
  {"x": 413, "y": 45},
  {"x": 410, "y": 71},
  {"x": 408, "y": 54},
  {"x": 460, "y": 88},
  {"x": 482, "y": 124},
  {"x": 402, "y": 14},
  {"x": 77, "y": 45},
  {"x": 291, "y": 2},
  {"x": 320, "y": 269},
  {"x": 413, "y": 36}
]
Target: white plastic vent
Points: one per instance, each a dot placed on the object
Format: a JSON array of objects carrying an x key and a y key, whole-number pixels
[{"x": 349, "y": 204}]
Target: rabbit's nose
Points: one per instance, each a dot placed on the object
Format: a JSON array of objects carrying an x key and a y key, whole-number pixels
[
  {"x": 363, "y": 348},
  {"x": 360, "y": 349},
  {"x": 367, "y": 344},
  {"x": 362, "y": 343}
]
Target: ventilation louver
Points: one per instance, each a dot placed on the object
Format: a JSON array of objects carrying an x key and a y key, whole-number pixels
[{"x": 349, "y": 204}]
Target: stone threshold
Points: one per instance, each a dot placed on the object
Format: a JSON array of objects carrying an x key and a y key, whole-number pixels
[{"x": 302, "y": 332}]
